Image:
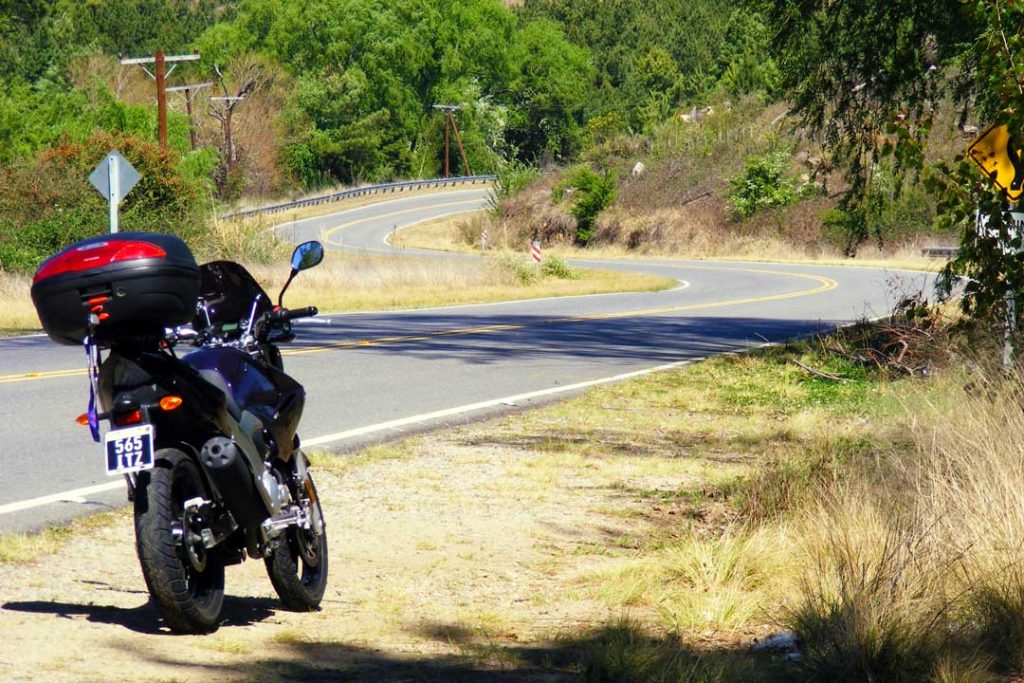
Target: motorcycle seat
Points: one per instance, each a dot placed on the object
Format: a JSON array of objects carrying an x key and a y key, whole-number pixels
[{"x": 213, "y": 377}]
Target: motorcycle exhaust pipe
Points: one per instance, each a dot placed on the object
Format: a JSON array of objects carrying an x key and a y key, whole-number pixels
[{"x": 227, "y": 467}]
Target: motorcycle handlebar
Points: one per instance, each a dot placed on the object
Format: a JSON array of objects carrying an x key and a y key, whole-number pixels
[
  {"x": 305, "y": 312},
  {"x": 293, "y": 313}
]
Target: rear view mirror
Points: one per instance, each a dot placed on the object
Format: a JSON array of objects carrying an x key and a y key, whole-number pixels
[{"x": 307, "y": 255}]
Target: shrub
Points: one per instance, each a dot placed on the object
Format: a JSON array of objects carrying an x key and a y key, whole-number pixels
[
  {"x": 512, "y": 178},
  {"x": 513, "y": 264},
  {"x": 469, "y": 230},
  {"x": 764, "y": 183},
  {"x": 552, "y": 266},
  {"x": 591, "y": 194},
  {"x": 47, "y": 203}
]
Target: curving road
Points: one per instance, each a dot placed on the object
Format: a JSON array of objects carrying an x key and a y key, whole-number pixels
[{"x": 375, "y": 375}]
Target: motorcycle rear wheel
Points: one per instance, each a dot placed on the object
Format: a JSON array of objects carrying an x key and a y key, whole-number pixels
[
  {"x": 298, "y": 565},
  {"x": 185, "y": 581}
]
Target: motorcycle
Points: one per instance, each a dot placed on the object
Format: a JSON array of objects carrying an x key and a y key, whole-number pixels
[{"x": 202, "y": 417}]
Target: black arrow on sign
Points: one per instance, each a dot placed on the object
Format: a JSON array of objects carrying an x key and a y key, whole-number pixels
[{"x": 1018, "y": 165}]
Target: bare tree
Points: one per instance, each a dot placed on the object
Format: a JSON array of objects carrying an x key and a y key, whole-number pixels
[{"x": 247, "y": 77}]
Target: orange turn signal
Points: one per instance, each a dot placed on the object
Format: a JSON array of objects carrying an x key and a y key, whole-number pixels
[
  {"x": 83, "y": 419},
  {"x": 170, "y": 402}
]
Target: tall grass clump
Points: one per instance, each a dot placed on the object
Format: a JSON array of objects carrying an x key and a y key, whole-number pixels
[
  {"x": 919, "y": 574},
  {"x": 245, "y": 240},
  {"x": 471, "y": 228},
  {"x": 17, "y": 313},
  {"x": 515, "y": 266}
]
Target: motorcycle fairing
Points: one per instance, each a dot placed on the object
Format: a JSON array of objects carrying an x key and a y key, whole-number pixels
[{"x": 259, "y": 397}]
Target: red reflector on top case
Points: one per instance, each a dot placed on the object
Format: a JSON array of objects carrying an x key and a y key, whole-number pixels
[{"x": 97, "y": 255}]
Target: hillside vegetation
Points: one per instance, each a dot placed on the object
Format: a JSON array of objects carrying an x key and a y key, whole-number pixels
[
  {"x": 336, "y": 91},
  {"x": 811, "y": 128}
]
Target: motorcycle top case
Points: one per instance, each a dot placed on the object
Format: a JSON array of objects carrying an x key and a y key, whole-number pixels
[{"x": 135, "y": 283}]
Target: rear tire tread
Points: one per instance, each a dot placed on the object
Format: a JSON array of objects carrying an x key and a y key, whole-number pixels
[{"x": 162, "y": 564}]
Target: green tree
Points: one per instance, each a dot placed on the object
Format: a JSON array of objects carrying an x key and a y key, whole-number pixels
[
  {"x": 550, "y": 89},
  {"x": 653, "y": 56},
  {"x": 865, "y": 75},
  {"x": 46, "y": 201}
]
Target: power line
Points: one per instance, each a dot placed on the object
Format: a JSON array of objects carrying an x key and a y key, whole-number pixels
[{"x": 158, "y": 60}]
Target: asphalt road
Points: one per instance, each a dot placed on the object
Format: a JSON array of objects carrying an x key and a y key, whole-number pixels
[{"x": 376, "y": 375}]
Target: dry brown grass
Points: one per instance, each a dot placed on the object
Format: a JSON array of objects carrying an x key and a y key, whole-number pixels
[
  {"x": 451, "y": 234},
  {"x": 17, "y": 314},
  {"x": 360, "y": 283}
]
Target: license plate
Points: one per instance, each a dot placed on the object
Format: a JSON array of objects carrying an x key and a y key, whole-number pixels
[{"x": 129, "y": 450}]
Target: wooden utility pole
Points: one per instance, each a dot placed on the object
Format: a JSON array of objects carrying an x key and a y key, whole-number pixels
[
  {"x": 189, "y": 91},
  {"x": 161, "y": 99},
  {"x": 160, "y": 75},
  {"x": 449, "y": 120}
]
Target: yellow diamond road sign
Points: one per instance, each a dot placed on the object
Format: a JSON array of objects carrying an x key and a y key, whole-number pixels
[{"x": 997, "y": 153}]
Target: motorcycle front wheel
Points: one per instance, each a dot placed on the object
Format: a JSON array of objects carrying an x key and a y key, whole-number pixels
[
  {"x": 298, "y": 565},
  {"x": 185, "y": 581}
]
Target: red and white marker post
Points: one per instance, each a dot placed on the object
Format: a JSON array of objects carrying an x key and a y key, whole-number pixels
[{"x": 535, "y": 250}]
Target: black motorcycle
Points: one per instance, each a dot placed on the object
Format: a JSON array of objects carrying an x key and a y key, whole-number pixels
[{"x": 206, "y": 440}]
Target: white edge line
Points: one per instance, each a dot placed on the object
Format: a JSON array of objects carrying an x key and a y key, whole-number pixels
[
  {"x": 64, "y": 496},
  {"x": 392, "y": 425},
  {"x": 507, "y": 400}
]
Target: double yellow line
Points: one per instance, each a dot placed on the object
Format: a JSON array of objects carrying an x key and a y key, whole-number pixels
[{"x": 824, "y": 284}]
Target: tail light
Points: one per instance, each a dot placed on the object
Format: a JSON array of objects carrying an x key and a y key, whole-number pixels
[
  {"x": 133, "y": 417},
  {"x": 96, "y": 255}
]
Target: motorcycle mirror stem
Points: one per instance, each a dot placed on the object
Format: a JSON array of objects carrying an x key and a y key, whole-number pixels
[{"x": 280, "y": 297}]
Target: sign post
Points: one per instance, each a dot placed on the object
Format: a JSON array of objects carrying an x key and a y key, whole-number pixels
[{"x": 113, "y": 178}]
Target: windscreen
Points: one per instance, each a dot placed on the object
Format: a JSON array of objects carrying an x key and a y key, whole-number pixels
[{"x": 228, "y": 291}]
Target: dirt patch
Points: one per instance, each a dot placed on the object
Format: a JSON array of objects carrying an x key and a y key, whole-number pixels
[{"x": 447, "y": 560}]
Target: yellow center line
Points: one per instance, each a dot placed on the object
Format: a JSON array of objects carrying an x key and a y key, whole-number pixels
[
  {"x": 50, "y": 374},
  {"x": 824, "y": 285},
  {"x": 327, "y": 234}
]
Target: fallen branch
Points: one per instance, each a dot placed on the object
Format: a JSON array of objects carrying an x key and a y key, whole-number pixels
[{"x": 819, "y": 373}]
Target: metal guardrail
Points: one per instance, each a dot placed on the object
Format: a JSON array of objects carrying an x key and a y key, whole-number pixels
[
  {"x": 362, "y": 191},
  {"x": 940, "y": 252}
]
